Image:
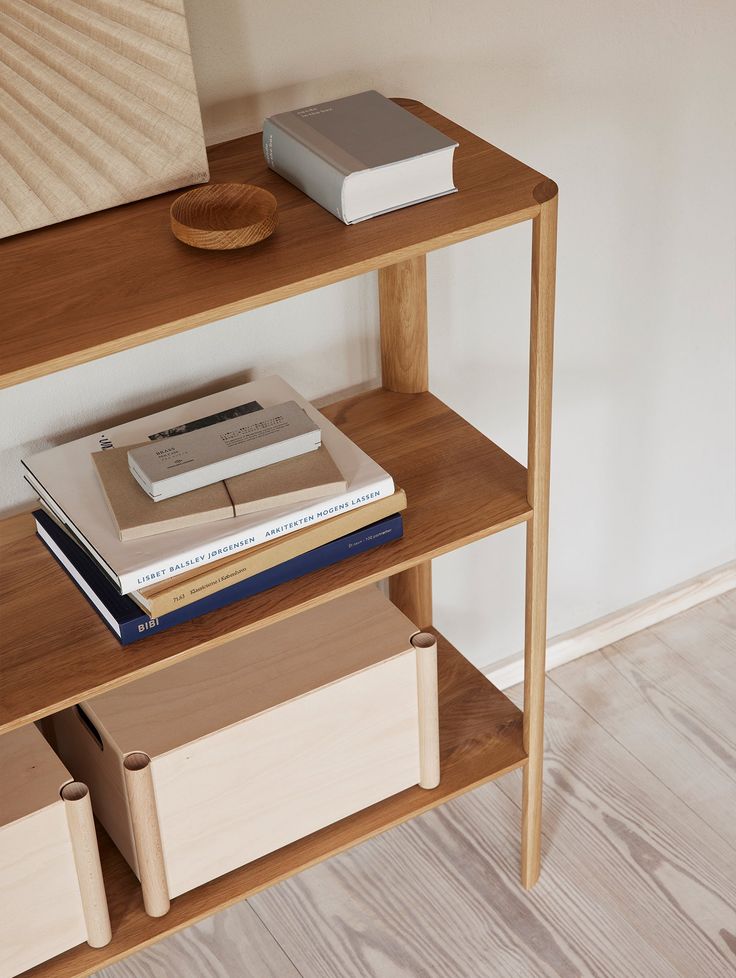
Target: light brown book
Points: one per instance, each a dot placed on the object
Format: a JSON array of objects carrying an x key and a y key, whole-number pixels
[
  {"x": 136, "y": 515},
  {"x": 294, "y": 480},
  {"x": 161, "y": 598}
]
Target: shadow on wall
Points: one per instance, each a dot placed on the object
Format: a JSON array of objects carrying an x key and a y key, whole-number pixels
[
  {"x": 231, "y": 94},
  {"x": 244, "y": 114},
  {"x": 142, "y": 409},
  {"x": 253, "y": 60},
  {"x": 222, "y": 383},
  {"x": 140, "y": 405}
]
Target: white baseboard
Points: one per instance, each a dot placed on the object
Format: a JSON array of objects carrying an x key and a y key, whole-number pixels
[{"x": 611, "y": 628}]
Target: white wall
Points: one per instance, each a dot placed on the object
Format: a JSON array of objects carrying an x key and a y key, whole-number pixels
[{"x": 628, "y": 106}]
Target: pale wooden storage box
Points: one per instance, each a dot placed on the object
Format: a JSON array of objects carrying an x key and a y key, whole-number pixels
[
  {"x": 50, "y": 882},
  {"x": 220, "y": 759}
]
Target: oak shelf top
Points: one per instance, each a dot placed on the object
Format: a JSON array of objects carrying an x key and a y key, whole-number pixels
[
  {"x": 103, "y": 283},
  {"x": 55, "y": 650},
  {"x": 480, "y": 739}
]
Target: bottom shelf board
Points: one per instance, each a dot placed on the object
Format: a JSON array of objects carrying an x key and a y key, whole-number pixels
[{"x": 480, "y": 737}]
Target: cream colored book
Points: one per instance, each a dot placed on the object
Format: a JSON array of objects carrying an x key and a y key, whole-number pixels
[
  {"x": 295, "y": 480},
  {"x": 159, "y": 599}
]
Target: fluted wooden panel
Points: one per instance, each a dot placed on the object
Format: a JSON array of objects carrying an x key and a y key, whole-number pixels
[{"x": 98, "y": 107}]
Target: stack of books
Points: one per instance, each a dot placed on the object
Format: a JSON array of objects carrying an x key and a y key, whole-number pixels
[{"x": 132, "y": 516}]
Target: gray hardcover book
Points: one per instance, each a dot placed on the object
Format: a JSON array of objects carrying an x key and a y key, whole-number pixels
[{"x": 360, "y": 156}]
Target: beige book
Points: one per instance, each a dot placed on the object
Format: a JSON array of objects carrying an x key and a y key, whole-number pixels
[
  {"x": 161, "y": 598},
  {"x": 136, "y": 515},
  {"x": 294, "y": 480}
]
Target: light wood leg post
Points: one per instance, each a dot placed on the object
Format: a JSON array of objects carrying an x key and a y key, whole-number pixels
[
  {"x": 411, "y": 592},
  {"x": 146, "y": 832},
  {"x": 425, "y": 644},
  {"x": 402, "y": 293},
  {"x": 80, "y": 819},
  {"x": 544, "y": 238},
  {"x": 402, "y": 297}
]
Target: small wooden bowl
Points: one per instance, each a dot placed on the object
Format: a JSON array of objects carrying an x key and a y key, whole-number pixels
[{"x": 224, "y": 215}]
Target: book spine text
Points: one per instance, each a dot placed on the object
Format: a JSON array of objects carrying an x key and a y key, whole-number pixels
[
  {"x": 134, "y": 628},
  {"x": 225, "y": 574},
  {"x": 312, "y": 174},
  {"x": 317, "y": 513}
]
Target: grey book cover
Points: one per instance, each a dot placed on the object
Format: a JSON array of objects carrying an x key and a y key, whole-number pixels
[
  {"x": 319, "y": 146},
  {"x": 362, "y": 131}
]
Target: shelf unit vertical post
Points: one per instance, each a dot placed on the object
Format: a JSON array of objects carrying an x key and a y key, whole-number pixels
[
  {"x": 411, "y": 591},
  {"x": 544, "y": 245},
  {"x": 402, "y": 293}
]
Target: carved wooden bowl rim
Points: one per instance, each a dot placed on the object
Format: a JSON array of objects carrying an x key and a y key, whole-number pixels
[{"x": 224, "y": 215}]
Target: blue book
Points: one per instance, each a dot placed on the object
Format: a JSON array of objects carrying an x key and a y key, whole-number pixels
[{"x": 129, "y": 623}]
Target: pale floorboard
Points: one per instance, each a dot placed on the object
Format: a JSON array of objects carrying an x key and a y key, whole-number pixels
[
  {"x": 639, "y": 848},
  {"x": 649, "y": 662},
  {"x": 681, "y": 727},
  {"x": 232, "y": 944},
  {"x": 705, "y": 636},
  {"x": 651, "y": 860},
  {"x": 440, "y": 898}
]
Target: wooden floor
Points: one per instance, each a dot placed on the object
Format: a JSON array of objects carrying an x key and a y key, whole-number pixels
[{"x": 639, "y": 861}]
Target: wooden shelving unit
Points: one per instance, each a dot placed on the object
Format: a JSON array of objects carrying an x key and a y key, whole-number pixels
[{"x": 114, "y": 280}]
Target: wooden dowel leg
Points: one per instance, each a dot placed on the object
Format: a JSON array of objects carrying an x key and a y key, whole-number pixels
[
  {"x": 429, "y": 732},
  {"x": 402, "y": 293},
  {"x": 534, "y": 678},
  {"x": 544, "y": 237},
  {"x": 411, "y": 592},
  {"x": 146, "y": 832},
  {"x": 87, "y": 862},
  {"x": 402, "y": 296}
]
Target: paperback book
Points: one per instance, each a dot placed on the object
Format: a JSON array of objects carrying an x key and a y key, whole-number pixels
[
  {"x": 130, "y": 624},
  {"x": 296, "y": 480},
  {"x": 65, "y": 479}
]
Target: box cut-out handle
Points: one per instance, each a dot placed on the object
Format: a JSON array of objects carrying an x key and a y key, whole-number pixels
[{"x": 91, "y": 728}]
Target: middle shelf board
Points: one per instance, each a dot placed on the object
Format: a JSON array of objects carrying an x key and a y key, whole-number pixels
[
  {"x": 480, "y": 739},
  {"x": 55, "y": 650}
]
